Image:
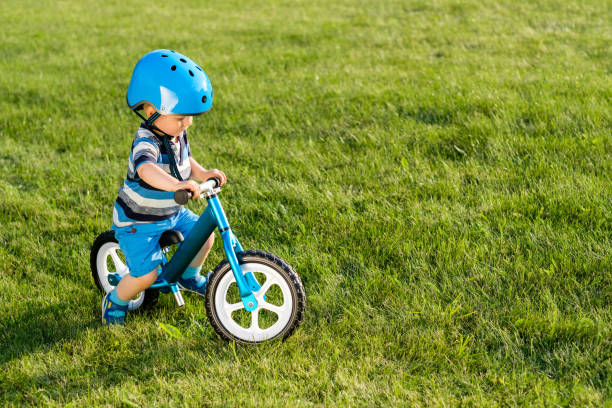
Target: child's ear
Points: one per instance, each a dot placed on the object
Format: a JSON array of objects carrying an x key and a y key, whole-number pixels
[{"x": 148, "y": 109}]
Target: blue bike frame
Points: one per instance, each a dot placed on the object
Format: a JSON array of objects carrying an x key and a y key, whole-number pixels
[{"x": 213, "y": 217}]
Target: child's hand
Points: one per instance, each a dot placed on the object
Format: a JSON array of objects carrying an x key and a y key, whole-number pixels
[
  {"x": 191, "y": 186},
  {"x": 218, "y": 174}
]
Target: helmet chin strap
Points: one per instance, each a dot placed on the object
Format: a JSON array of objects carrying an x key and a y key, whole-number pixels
[
  {"x": 149, "y": 122},
  {"x": 150, "y": 126}
]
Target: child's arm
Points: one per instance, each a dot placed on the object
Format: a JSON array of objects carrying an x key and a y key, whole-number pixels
[
  {"x": 156, "y": 177},
  {"x": 200, "y": 173}
]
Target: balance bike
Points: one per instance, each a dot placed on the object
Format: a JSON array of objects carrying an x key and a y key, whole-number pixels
[{"x": 252, "y": 296}]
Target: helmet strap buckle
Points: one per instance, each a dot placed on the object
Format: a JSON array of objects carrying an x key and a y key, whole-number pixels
[{"x": 149, "y": 122}]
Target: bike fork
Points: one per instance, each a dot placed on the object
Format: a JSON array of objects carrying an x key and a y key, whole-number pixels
[
  {"x": 213, "y": 217},
  {"x": 247, "y": 284}
]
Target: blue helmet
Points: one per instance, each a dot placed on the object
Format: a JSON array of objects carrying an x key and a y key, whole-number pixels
[{"x": 171, "y": 82}]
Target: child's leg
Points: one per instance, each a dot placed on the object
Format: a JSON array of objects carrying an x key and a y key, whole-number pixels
[
  {"x": 198, "y": 260},
  {"x": 115, "y": 303},
  {"x": 191, "y": 279},
  {"x": 139, "y": 243},
  {"x": 193, "y": 270},
  {"x": 129, "y": 286},
  {"x": 184, "y": 222}
]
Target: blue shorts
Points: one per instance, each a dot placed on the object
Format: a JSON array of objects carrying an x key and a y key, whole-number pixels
[{"x": 140, "y": 242}]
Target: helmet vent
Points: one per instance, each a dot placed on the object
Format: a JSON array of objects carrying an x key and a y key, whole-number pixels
[
  {"x": 183, "y": 60},
  {"x": 164, "y": 56},
  {"x": 204, "y": 99},
  {"x": 190, "y": 73},
  {"x": 198, "y": 68},
  {"x": 173, "y": 67}
]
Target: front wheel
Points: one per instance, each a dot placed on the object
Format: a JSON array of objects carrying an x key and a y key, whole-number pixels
[{"x": 281, "y": 300}]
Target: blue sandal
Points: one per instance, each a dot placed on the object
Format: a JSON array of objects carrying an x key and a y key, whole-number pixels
[
  {"x": 112, "y": 313},
  {"x": 196, "y": 284}
]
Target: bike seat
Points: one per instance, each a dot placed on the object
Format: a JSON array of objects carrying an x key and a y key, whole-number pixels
[{"x": 170, "y": 237}]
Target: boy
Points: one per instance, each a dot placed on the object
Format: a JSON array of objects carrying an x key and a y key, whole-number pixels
[{"x": 171, "y": 89}]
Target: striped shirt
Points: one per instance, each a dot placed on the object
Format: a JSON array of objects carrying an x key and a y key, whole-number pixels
[{"x": 137, "y": 201}]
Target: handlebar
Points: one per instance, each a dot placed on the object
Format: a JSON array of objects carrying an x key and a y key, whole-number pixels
[{"x": 209, "y": 187}]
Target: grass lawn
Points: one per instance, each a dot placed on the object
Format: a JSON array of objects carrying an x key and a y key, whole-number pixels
[{"x": 437, "y": 172}]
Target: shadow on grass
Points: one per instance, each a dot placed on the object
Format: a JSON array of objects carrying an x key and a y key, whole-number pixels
[
  {"x": 39, "y": 327},
  {"x": 60, "y": 382},
  {"x": 72, "y": 369}
]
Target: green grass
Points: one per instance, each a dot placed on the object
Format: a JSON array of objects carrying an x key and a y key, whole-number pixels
[{"x": 437, "y": 172}]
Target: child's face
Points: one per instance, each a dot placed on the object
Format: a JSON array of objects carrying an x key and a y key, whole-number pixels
[{"x": 174, "y": 125}]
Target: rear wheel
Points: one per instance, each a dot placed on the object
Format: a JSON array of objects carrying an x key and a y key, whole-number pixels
[
  {"x": 281, "y": 300},
  {"x": 106, "y": 259}
]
